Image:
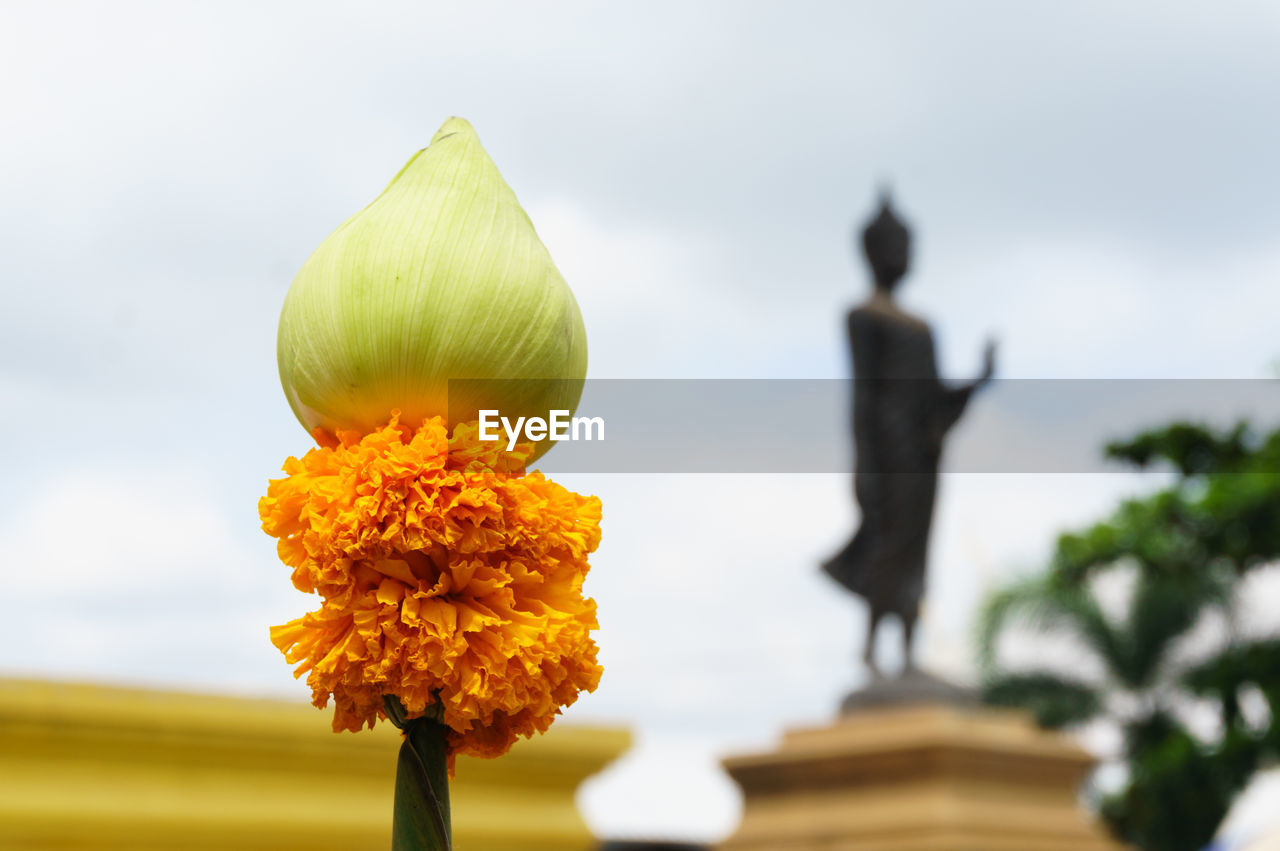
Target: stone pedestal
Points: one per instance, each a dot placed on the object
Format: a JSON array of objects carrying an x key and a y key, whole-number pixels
[{"x": 917, "y": 778}]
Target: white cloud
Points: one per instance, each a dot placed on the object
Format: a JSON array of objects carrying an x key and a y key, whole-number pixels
[{"x": 138, "y": 576}]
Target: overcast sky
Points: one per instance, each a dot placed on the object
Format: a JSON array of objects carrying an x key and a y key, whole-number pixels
[{"x": 1093, "y": 184}]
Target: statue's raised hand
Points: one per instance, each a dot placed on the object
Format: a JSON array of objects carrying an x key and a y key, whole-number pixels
[{"x": 988, "y": 362}]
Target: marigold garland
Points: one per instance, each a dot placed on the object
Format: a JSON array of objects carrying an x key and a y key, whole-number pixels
[{"x": 448, "y": 577}]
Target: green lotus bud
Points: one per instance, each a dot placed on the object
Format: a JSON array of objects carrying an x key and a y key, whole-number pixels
[{"x": 441, "y": 278}]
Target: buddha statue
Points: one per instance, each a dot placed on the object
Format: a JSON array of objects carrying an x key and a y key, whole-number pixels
[{"x": 901, "y": 415}]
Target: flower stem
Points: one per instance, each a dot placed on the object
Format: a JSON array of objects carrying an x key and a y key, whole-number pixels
[{"x": 421, "y": 821}]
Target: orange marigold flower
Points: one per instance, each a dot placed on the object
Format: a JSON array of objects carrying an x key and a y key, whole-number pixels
[{"x": 448, "y": 576}]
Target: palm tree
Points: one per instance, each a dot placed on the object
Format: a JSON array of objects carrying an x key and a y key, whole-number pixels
[{"x": 1182, "y": 552}]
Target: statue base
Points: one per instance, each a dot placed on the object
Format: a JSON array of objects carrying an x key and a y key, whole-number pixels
[
  {"x": 916, "y": 776},
  {"x": 912, "y": 687}
]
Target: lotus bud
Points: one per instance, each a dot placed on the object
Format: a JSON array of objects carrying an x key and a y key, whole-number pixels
[{"x": 442, "y": 278}]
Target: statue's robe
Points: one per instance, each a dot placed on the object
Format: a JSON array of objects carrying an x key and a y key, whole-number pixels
[{"x": 901, "y": 414}]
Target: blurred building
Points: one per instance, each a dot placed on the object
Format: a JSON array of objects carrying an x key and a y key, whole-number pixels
[
  {"x": 95, "y": 767},
  {"x": 631, "y": 845},
  {"x": 639, "y": 845}
]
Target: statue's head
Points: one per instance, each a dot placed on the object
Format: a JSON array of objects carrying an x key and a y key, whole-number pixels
[{"x": 887, "y": 244}]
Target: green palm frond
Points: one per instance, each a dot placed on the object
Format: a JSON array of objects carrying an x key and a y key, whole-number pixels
[
  {"x": 1175, "y": 799},
  {"x": 1188, "y": 546},
  {"x": 1045, "y": 605},
  {"x": 1165, "y": 605},
  {"x": 1247, "y": 506},
  {"x": 1255, "y": 663},
  {"x": 1193, "y": 449},
  {"x": 1054, "y": 701}
]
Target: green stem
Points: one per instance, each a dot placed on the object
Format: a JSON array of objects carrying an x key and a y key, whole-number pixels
[{"x": 421, "y": 821}]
